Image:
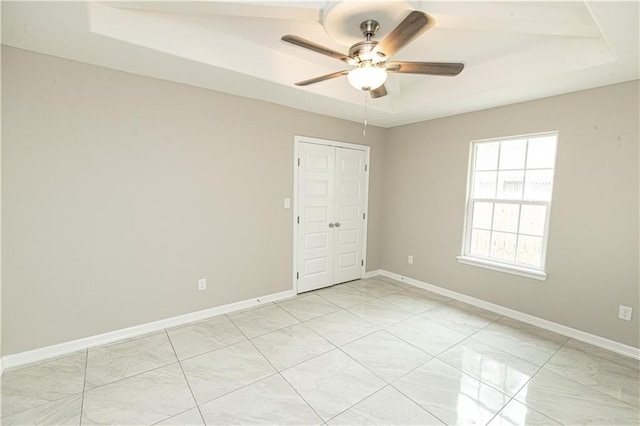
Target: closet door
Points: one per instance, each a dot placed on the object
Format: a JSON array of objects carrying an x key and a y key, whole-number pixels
[{"x": 331, "y": 185}]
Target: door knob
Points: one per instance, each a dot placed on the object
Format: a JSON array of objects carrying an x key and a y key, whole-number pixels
[
  {"x": 337, "y": 224},
  {"x": 331, "y": 225}
]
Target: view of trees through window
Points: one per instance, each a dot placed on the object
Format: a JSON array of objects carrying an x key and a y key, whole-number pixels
[{"x": 511, "y": 182}]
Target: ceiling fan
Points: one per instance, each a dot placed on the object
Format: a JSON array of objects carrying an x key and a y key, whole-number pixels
[{"x": 369, "y": 57}]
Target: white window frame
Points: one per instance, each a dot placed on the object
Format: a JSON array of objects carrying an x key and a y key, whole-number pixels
[{"x": 529, "y": 271}]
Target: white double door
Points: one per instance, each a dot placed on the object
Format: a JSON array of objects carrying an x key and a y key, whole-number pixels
[{"x": 331, "y": 215}]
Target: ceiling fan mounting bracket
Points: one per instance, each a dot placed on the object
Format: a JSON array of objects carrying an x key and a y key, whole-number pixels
[{"x": 369, "y": 28}]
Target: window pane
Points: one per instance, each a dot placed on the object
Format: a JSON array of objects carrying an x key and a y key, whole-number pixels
[
  {"x": 482, "y": 213},
  {"x": 512, "y": 154},
  {"x": 530, "y": 250},
  {"x": 510, "y": 185},
  {"x": 542, "y": 152},
  {"x": 538, "y": 184},
  {"x": 505, "y": 217},
  {"x": 487, "y": 156},
  {"x": 532, "y": 219},
  {"x": 503, "y": 246},
  {"x": 484, "y": 185},
  {"x": 480, "y": 242}
]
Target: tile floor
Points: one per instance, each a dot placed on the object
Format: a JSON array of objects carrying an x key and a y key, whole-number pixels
[{"x": 373, "y": 351}]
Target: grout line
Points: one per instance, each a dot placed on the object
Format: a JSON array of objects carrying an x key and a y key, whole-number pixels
[
  {"x": 185, "y": 378},
  {"x": 84, "y": 384},
  {"x": 285, "y": 379},
  {"x": 281, "y": 375},
  {"x": 527, "y": 383}
]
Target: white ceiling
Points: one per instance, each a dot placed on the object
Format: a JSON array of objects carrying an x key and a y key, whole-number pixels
[{"x": 512, "y": 51}]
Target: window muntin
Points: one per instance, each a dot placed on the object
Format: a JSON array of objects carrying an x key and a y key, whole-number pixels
[{"x": 510, "y": 188}]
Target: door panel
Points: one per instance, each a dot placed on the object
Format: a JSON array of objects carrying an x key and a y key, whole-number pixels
[
  {"x": 349, "y": 208},
  {"x": 315, "y": 209}
]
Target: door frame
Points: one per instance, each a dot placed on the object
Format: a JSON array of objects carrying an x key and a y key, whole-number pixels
[{"x": 297, "y": 139}]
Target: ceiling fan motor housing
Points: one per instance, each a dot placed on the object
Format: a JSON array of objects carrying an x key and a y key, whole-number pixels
[{"x": 363, "y": 51}]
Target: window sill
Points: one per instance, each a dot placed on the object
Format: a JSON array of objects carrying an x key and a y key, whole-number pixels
[{"x": 501, "y": 267}]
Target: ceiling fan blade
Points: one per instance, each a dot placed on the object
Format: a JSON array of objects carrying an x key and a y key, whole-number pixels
[
  {"x": 413, "y": 25},
  {"x": 379, "y": 92},
  {"x": 299, "y": 41},
  {"x": 430, "y": 68},
  {"x": 322, "y": 78}
]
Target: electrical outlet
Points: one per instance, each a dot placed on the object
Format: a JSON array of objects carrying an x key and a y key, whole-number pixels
[
  {"x": 410, "y": 260},
  {"x": 202, "y": 284},
  {"x": 625, "y": 312}
]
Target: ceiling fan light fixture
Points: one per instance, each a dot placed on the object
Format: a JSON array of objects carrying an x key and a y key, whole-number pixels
[{"x": 367, "y": 77}]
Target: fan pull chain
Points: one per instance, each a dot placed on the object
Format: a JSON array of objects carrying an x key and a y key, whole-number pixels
[{"x": 366, "y": 99}]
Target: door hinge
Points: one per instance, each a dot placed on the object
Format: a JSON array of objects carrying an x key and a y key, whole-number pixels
[
  {"x": 298, "y": 219},
  {"x": 298, "y": 162},
  {"x": 364, "y": 216},
  {"x": 362, "y": 262},
  {"x": 297, "y": 275},
  {"x": 365, "y": 167}
]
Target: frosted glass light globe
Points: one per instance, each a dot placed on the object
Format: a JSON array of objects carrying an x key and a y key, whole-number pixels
[{"x": 367, "y": 77}]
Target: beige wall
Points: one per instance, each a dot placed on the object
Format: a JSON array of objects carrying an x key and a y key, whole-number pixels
[
  {"x": 593, "y": 256},
  {"x": 120, "y": 191}
]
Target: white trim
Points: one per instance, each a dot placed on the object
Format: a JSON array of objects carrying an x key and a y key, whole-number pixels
[
  {"x": 503, "y": 267},
  {"x": 1, "y": 367},
  {"x": 297, "y": 139},
  {"x": 135, "y": 331},
  {"x": 573, "y": 333},
  {"x": 373, "y": 273}
]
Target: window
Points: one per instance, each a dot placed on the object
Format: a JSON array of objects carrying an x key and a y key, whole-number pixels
[{"x": 510, "y": 187}]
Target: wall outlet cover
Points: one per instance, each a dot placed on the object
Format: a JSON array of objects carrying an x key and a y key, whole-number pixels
[
  {"x": 625, "y": 312},
  {"x": 202, "y": 284}
]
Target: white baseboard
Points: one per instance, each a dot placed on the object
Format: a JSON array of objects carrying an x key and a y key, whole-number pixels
[
  {"x": 573, "y": 333},
  {"x": 373, "y": 273},
  {"x": 135, "y": 331}
]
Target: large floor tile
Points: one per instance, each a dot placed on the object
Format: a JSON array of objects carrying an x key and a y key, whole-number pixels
[
  {"x": 343, "y": 295},
  {"x": 36, "y": 384},
  {"x": 450, "y": 395},
  {"x": 518, "y": 414},
  {"x": 526, "y": 341},
  {"x": 427, "y": 335},
  {"x": 376, "y": 288},
  {"x": 506, "y": 372},
  {"x": 386, "y": 407},
  {"x": 204, "y": 336},
  {"x": 225, "y": 370},
  {"x": 461, "y": 317},
  {"x": 262, "y": 320},
  {"x": 143, "y": 399},
  {"x": 572, "y": 403},
  {"x": 380, "y": 313},
  {"x": 332, "y": 382},
  {"x": 412, "y": 302},
  {"x": 106, "y": 364},
  {"x": 308, "y": 307},
  {"x": 270, "y": 401},
  {"x": 190, "y": 417},
  {"x": 385, "y": 355},
  {"x": 581, "y": 362},
  {"x": 341, "y": 327},
  {"x": 64, "y": 411},
  {"x": 292, "y": 345}
]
